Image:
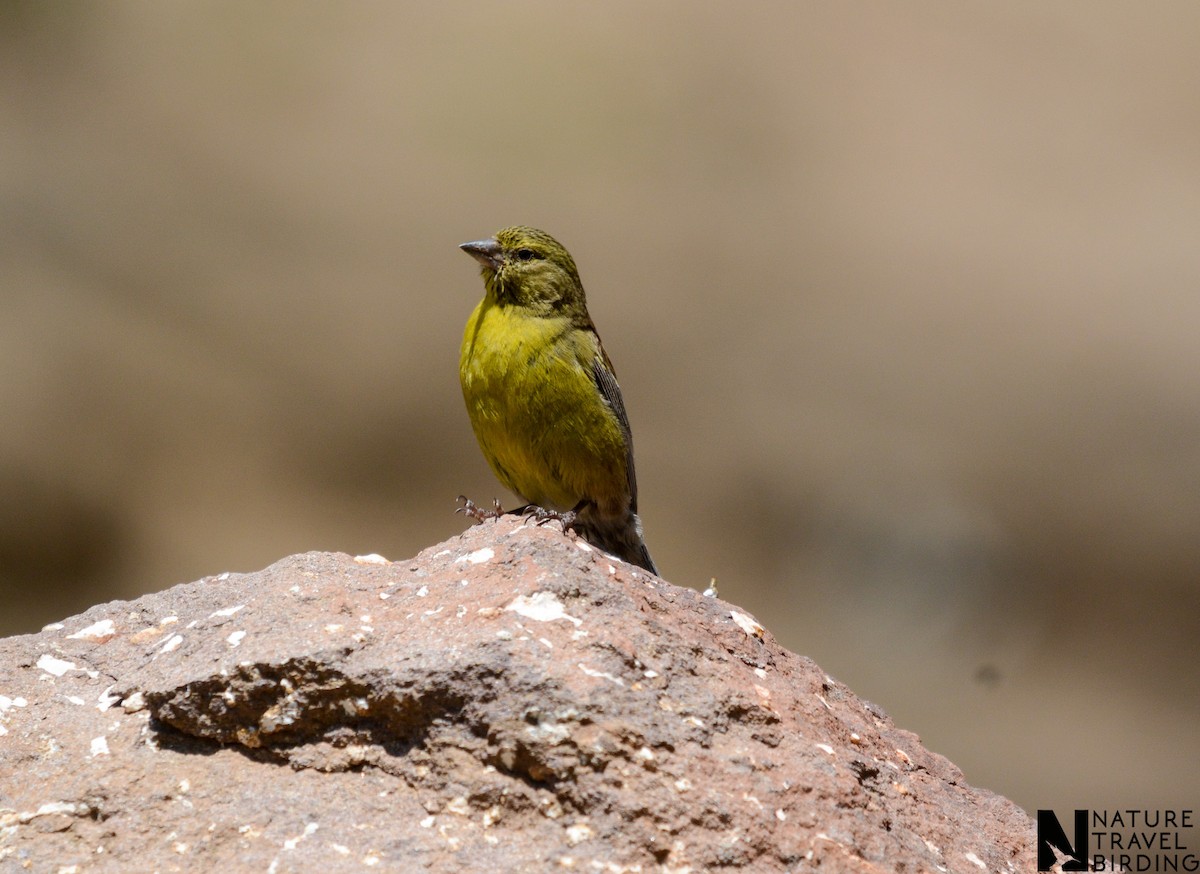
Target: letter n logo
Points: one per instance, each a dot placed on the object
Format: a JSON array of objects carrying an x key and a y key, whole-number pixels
[{"x": 1053, "y": 843}]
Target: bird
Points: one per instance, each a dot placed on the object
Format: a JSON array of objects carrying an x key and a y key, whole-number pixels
[{"x": 542, "y": 396}]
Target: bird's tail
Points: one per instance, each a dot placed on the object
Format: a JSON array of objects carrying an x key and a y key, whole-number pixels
[{"x": 621, "y": 537}]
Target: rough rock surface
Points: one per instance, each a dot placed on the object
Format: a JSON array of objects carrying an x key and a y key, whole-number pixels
[{"x": 510, "y": 700}]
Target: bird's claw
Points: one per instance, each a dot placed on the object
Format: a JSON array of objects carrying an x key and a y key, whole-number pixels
[
  {"x": 540, "y": 516},
  {"x": 473, "y": 511}
]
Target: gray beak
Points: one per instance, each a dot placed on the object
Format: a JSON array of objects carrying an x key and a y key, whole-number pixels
[{"x": 486, "y": 252}]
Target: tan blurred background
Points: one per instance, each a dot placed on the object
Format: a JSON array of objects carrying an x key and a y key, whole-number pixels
[{"x": 903, "y": 297}]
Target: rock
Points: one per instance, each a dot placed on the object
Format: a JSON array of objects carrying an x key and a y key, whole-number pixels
[{"x": 510, "y": 700}]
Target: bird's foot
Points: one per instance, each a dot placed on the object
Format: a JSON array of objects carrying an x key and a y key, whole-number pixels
[
  {"x": 540, "y": 516},
  {"x": 480, "y": 514}
]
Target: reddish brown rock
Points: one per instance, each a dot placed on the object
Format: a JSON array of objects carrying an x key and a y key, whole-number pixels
[{"x": 510, "y": 700}]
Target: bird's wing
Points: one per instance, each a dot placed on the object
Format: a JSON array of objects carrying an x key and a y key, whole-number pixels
[{"x": 606, "y": 382}]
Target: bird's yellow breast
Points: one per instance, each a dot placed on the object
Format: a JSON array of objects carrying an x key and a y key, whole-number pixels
[{"x": 541, "y": 422}]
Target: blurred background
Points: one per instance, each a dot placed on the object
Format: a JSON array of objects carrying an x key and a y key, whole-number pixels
[{"x": 903, "y": 299}]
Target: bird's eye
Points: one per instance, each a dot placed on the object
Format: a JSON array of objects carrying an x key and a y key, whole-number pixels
[{"x": 526, "y": 254}]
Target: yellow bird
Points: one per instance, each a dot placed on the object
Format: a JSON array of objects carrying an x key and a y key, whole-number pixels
[{"x": 542, "y": 396}]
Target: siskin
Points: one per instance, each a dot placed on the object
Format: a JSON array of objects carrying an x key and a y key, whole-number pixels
[{"x": 542, "y": 396}]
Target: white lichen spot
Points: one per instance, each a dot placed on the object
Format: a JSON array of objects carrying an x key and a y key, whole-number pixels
[
  {"x": 649, "y": 674},
  {"x": 99, "y": 746},
  {"x": 683, "y": 784},
  {"x": 340, "y": 849},
  {"x": 423, "y": 591},
  {"x": 222, "y": 577},
  {"x": 644, "y": 754},
  {"x": 75, "y": 699},
  {"x": 96, "y": 631},
  {"x": 546, "y": 730},
  {"x": 107, "y": 699},
  {"x": 427, "y": 822},
  {"x": 933, "y": 848},
  {"x": 228, "y": 611},
  {"x": 612, "y": 570},
  {"x": 371, "y": 860},
  {"x": 458, "y": 805},
  {"x": 172, "y": 643},
  {"x": 180, "y": 847},
  {"x": 975, "y": 860},
  {"x": 383, "y": 596},
  {"x": 541, "y": 607},
  {"x": 51, "y": 808},
  {"x": 592, "y": 672},
  {"x": 333, "y": 628},
  {"x": 748, "y": 624},
  {"x": 53, "y": 626},
  {"x": 184, "y": 786},
  {"x": 168, "y": 620},
  {"x": 309, "y": 829},
  {"x": 579, "y": 832},
  {"x": 746, "y": 796},
  {"x": 57, "y": 667},
  {"x": 760, "y": 673},
  {"x": 583, "y": 547},
  {"x": 460, "y": 612},
  {"x": 452, "y": 842},
  {"x": 781, "y": 815},
  {"x": 479, "y": 556},
  {"x": 372, "y": 558},
  {"x": 235, "y": 638},
  {"x": 825, "y": 748},
  {"x": 491, "y": 816},
  {"x": 132, "y": 704}
]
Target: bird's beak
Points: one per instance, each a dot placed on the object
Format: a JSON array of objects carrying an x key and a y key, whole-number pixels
[{"x": 486, "y": 252}]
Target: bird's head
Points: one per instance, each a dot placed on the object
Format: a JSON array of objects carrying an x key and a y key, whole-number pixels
[{"x": 529, "y": 268}]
